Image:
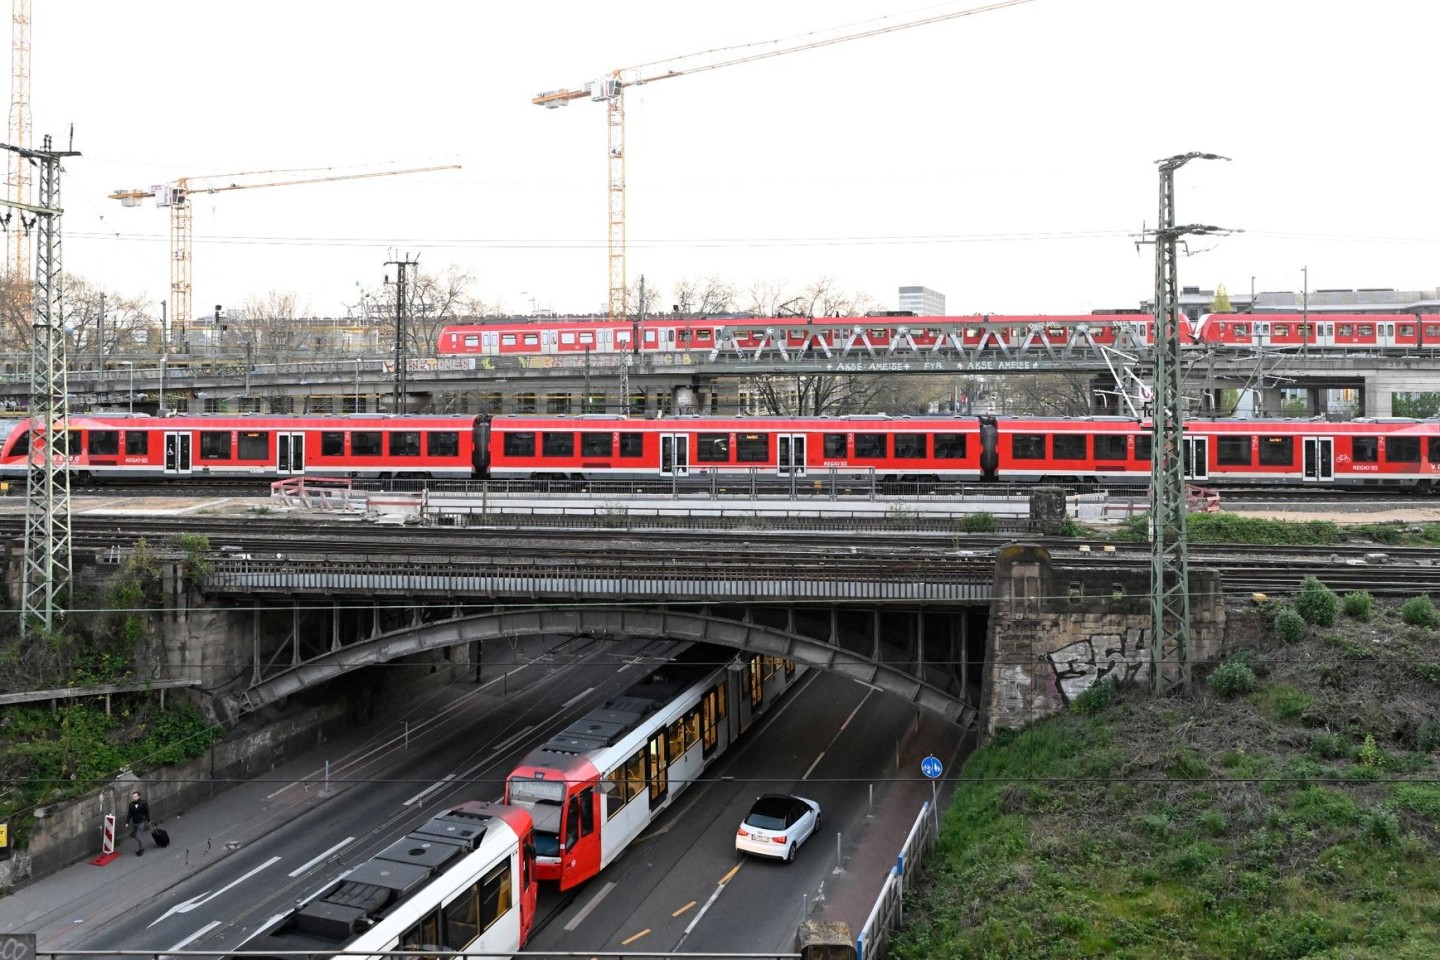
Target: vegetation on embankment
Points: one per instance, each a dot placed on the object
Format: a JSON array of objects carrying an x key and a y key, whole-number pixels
[
  {"x": 1238, "y": 528},
  {"x": 1287, "y": 807}
]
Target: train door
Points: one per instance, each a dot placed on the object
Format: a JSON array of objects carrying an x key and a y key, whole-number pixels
[
  {"x": 1197, "y": 458},
  {"x": 581, "y": 851},
  {"x": 1319, "y": 459},
  {"x": 289, "y": 453},
  {"x": 177, "y": 453},
  {"x": 792, "y": 454},
  {"x": 674, "y": 455},
  {"x": 1385, "y": 334}
]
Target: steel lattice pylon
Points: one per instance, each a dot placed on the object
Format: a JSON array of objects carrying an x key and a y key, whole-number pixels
[
  {"x": 48, "y": 554},
  {"x": 1169, "y": 559}
]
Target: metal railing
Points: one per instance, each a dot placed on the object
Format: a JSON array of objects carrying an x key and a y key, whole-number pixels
[{"x": 888, "y": 914}]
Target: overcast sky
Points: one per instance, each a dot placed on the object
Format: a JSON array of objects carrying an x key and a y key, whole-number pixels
[{"x": 1005, "y": 159}]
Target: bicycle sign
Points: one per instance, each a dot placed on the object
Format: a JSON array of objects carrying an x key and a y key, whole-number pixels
[{"x": 932, "y": 767}]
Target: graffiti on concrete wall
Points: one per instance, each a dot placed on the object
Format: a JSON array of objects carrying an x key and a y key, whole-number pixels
[{"x": 1080, "y": 665}]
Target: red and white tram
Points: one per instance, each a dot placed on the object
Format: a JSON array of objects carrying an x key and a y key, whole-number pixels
[
  {"x": 593, "y": 787},
  {"x": 463, "y": 882}
]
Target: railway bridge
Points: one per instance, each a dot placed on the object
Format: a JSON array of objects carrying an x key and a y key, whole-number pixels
[{"x": 1004, "y": 636}]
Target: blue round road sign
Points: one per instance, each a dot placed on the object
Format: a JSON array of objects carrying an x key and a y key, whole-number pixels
[{"x": 932, "y": 767}]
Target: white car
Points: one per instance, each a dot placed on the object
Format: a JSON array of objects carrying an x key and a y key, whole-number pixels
[{"x": 776, "y": 826}]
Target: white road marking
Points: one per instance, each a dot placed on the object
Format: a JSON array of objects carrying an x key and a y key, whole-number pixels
[
  {"x": 301, "y": 869},
  {"x": 192, "y": 938},
  {"x": 428, "y": 790},
  {"x": 579, "y": 696},
  {"x": 206, "y": 897},
  {"x": 585, "y": 911}
]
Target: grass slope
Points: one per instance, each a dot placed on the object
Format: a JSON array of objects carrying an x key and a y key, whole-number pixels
[{"x": 1300, "y": 818}]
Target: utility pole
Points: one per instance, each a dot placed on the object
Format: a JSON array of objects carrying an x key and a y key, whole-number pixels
[
  {"x": 1169, "y": 559},
  {"x": 48, "y": 543},
  {"x": 402, "y": 392}
]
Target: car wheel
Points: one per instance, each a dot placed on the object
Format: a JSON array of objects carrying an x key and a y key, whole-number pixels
[{"x": 790, "y": 853}]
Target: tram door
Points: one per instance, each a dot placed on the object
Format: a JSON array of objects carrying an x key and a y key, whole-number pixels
[
  {"x": 177, "y": 453},
  {"x": 1197, "y": 458},
  {"x": 289, "y": 454},
  {"x": 792, "y": 454},
  {"x": 1319, "y": 459},
  {"x": 674, "y": 455}
]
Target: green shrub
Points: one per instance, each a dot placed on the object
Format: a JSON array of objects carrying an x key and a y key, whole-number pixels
[
  {"x": 1427, "y": 738},
  {"x": 978, "y": 523},
  {"x": 1359, "y": 604},
  {"x": 1232, "y": 679},
  {"x": 1289, "y": 625},
  {"x": 1327, "y": 745},
  {"x": 1257, "y": 664},
  {"x": 1382, "y": 825},
  {"x": 1420, "y": 612},
  {"x": 1097, "y": 698},
  {"x": 1317, "y": 603}
]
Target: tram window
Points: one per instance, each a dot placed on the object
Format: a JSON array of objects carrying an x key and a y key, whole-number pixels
[
  {"x": 675, "y": 740},
  {"x": 1027, "y": 446},
  {"x": 1365, "y": 449},
  {"x": 1069, "y": 446},
  {"x": 520, "y": 444},
  {"x": 910, "y": 446},
  {"x": 597, "y": 444},
  {"x": 214, "y": 444},
  {"x": 1277, "y": 451},
  {"x": 557, "y": 444},
  {"x": 586, "y": 803},
  {"x": 426, "y": 933},
  {"x": 104, "y": 442},
  {"x": 405, "y": 443},
  {"x": 332, "y": 443},
  {"x": 870, "y": 445},
  {"x": 442, "y": 443},
  {"x": 137, "y": 443},
  {"x": 692, "y": 728},
  {"x": 1109, "y": 447},
  {"x": 495, "y": 894},
  {"x": 634, "y": 775},
  {"x": 1232, "y": 451},
  {"x": 834, "y": 444},
  {"x": 712, "y": 448},
  {"x": 462, "y": 919},
  {"x": 365, "y": 443},
  {"x": 254, "y": 445},
  {"x": 1402, "y": 449},
  {"x": 632, "y": 445},
  {"x": 949, "y": 446},
  {"x": 1432, "y": 449},
  {"x": 752, "y": 448},
  {"x": 1143, "y": 443}
]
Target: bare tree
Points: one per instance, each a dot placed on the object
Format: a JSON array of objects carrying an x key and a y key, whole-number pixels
[
  {"x": 272, "y": 325},
  {"x": 432, "y": 301},
  {"x": 702, "y": 298}
]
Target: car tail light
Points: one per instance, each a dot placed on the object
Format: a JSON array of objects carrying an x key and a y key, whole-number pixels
[
  {"x": 741, "y": 832},
  {"x": 779, "y": 839}
]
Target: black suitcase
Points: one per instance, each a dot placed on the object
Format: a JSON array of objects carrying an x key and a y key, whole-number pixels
[{"x": 161, "y": 836}]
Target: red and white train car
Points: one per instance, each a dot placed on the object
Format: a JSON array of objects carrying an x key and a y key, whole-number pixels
[
  {"x": 595, "y": 786},
  {"x": 1361, "y": 332}
]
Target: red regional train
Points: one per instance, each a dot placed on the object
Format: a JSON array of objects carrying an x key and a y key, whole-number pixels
[
  {"x": 1396, "y": 452},
  {"x": 1400, "y": 332},
  {"x": 595, "y": 786},
  {"x": 464, "y": 882}
]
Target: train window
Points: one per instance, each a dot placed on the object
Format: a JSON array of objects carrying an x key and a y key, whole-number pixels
[
  {"x": 1281, "y": 329},
  {"x": 1365, "y": 449},
  {"x": 405, "y": 443},
  {"x": 834, "y": 445},
  {"x": 702, "y": 334},
  {"x": 596, "y": 444},
  {"x": 104, "y": 442},
  {"x": 22, "y": 445},
  {"x": 622, "y": 336},
  {"x": 462, "y": 919},
  {"x": 1069, "y": 446},
  {"x": 1027, "y": 446},
  {"x": 1277, "y": 451},
  {"x": 520, "y": 444},
  {"x": 332, "y": 443},
  {"x": 1432, "y": 330},
  {"x": 910, "y": 446},
  {"x": 632, "y": 444},
  {"x": 254, "y": 445},
  {"x": 1402, "y": 449},
  {"x": 1366, "y": 330},
  {"x": 566, "y": 337},
  {"x": 472, "y": 342},
  {"x": 557, "y": 444},
  {"x": 1232, "y": 451},
  {"x": 1304, "y": 330},
  {"x": 1241, "y": 329},
  {"x": 752, "y": 448},
  {"x": 1109, "y": 447},
  {"x": 495, "y": 894},
  {"x": 365, "y": 443},
  {"x": 1432, "y": 449},
  {"x": 1143, "y": 442},
  {"x": 649, "y": 336},
  {"x": 442, "y": 443},
  {"x": 532, "y": 339},
  {"x": 949, "y": 446},
  {"x": 712, "y": 448},
  {"x": 587, "y": 337},
  {"x": 507, "y": 339},
  {"x": 214, "y": 444},
  {"x": 870, "y": 445},
  {"x": 1407, "y": 329},
  {"x": 137, "y": 443},
  {"x": 1262, "y": 328},
  {"x": 73, "y": 442},
  {"x": 1346, "y": 330}
]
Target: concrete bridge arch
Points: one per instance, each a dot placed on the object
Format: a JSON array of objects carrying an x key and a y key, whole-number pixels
[{"x": 897, "y": 678}]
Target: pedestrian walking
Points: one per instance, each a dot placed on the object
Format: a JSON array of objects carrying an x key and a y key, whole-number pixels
[{"x": 138, "y": 817}]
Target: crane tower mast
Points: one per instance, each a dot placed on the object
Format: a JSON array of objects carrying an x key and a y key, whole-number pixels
[{"x": 18, "y": 174}]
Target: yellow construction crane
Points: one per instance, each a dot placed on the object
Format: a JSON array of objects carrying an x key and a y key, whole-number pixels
[
  {"x": 610, "y": 90},
  {"x": 176, "y": 196}
]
